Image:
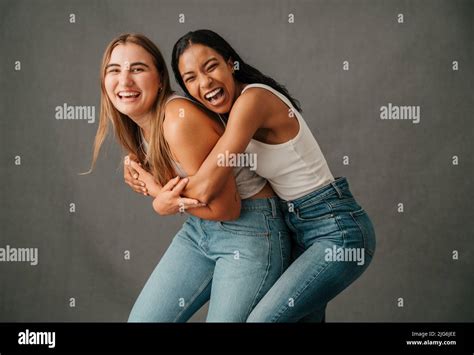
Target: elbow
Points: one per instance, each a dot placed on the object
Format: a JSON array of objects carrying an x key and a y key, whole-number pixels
[
  {"x": 226, "y": 213},
  {"x": 231, "y": 215},
  {"x": 206, "y": 193}
]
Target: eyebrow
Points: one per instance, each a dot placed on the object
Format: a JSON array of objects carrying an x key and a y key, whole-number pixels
[
  {"x": 131, "y": 65},
  {"x": 205, "y": 63}
]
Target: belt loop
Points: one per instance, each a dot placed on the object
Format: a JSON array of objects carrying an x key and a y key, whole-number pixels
[
  {"x": 272, "y": 203},
  {"x": 339, "y": 193}
]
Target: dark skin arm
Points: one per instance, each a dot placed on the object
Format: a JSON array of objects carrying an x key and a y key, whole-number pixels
[
  {"x": 190, "y": 139},
  {"x": 247, "y": 116}
]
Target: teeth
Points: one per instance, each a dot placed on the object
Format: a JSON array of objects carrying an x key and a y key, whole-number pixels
[
  {"x": 128, "y": 94},
  {"x": 212, "y": 93}
]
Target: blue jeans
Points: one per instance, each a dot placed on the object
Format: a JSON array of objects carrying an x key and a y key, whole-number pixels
[
  {"x": 334, "y": 242},
  {"x": 231, "y": 263}
]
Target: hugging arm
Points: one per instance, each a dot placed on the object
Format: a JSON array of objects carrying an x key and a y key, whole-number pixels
[
  {"x": 190, "y": 139},
  {"x": 247, "y": 116}
]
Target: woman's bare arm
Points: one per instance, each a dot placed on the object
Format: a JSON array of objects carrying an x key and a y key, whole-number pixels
[
  {"x": 191, "y": 138},
  {"x": 247, "y": 116}
]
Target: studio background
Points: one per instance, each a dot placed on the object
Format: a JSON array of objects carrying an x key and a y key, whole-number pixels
[{"x": 427, "y": 167}]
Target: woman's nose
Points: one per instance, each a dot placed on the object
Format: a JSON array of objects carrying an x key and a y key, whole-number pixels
[
  {"x": 206, "y": 81},
  {"x": 125, "y": 78}
]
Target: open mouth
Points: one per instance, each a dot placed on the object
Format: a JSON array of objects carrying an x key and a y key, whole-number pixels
[
  {"x": 215, "y": 97},
  {"x": 128, "y": 95}
]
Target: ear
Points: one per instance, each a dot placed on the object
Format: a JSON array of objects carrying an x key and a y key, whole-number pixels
[{"x": 230, "y": 64}]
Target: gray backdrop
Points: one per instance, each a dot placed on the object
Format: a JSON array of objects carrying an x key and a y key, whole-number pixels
[{"x": 81, "y": 251}]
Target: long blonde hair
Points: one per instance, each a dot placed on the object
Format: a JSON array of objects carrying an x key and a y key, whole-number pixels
[{"x": 159, "y": 159}]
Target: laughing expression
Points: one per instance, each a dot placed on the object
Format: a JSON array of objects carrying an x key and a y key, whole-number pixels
[
  {"x": 131, "y": 80},
  {"x": 208, "y": 77}
]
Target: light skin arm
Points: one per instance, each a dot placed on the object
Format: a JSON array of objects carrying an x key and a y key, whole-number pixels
[{"x": 165, "y": 196}]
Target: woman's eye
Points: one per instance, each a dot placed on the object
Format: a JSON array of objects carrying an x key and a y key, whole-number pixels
[
  {"x": 112, "y": 71},
  {"x": 189, "y": 79},
  {"x": 211, "y": 67},
  {"x": 137, "y": 70}
]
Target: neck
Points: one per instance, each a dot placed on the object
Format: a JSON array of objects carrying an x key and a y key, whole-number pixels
[
  {"x": 144, "y": 123},
  {"x": 239, "y": 87},
  {"x": 238, "y": 90}
]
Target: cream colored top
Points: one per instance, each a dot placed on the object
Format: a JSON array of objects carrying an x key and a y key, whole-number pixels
[{"x": 296, "y": 167}]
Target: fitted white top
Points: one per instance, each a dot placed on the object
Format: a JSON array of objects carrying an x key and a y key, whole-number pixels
[
  {"x": 247, "y": 181},
  {"x": 296, "y": 167}
]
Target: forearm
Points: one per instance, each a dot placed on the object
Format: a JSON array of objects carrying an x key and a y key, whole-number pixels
[
  {"x": 226, "y": 206},
  {"x": 215, "y": 214},
  {"x": 209, "y": 180}
]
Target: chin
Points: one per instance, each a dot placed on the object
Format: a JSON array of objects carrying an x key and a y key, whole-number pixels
[{"x": 221, "y": 110}]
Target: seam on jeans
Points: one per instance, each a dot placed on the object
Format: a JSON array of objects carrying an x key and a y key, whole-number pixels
[
  {"x": 362, "y": 229},
  {"x": 296, "y": 297},
  {"x": 342, "y": 202},
  {"x": 193, "y": 298},
  {"x": 342, "y": 229},
  {"x": 264, "y": 279},
  {"x": 281, "y": 252}
]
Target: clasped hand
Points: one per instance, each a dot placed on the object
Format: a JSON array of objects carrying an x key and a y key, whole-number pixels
[{"x": 167, "y": 200}]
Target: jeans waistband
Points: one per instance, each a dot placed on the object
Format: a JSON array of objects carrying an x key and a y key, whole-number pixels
[
  {"x": 270, "y": 204},
  {"x": 334, "y": 187}
]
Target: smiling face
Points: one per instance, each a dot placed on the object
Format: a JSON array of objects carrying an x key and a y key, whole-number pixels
[
  {"x": 208, "y": 77},
  {"x": 131, "y": 80}
]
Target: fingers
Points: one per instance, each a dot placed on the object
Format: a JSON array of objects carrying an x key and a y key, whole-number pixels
[
  {"x": 191, "y": 202},
  {"x": 200, "y": 204},
  {"x": 131, "y": 178},
  {"x": 133, "y": 157},
  {"x": 180, "y": 186},
  {"x": 132, "y": 172},
  {"x": 137, "y": 186},
  {"x": 128, "y": 169},
  {"x": 170, "y": 184},
  {"x": 137, "y": 167}
]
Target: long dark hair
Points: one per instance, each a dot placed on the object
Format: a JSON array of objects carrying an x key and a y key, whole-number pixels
[{"x": 245, "y": 74}]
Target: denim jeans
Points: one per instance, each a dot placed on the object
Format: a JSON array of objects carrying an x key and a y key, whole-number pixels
[
  {"x": 334, "y": 242},
  {"x": 231, "y": 263}
]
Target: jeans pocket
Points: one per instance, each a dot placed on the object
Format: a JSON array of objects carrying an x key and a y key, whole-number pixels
[
  {"x": 250, "y": 223},
  {"x": 364, "y": 223},
  {"x": 314, "y": 212}
]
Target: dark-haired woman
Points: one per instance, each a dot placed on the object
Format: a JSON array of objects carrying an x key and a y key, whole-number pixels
[{"x": 333, "y": 235}]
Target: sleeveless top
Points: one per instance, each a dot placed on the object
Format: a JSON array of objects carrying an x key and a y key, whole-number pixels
[
  {"x": 247, "y": 181},
  {"x": 296, "y": 167}
]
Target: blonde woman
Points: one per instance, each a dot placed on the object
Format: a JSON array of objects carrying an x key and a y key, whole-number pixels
[{"x": 232, "y": 249}]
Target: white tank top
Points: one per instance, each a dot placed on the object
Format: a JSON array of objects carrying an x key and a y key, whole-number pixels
[
  {"x": 296, "y": 167},
  {"x": 247, "y": 181}
]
